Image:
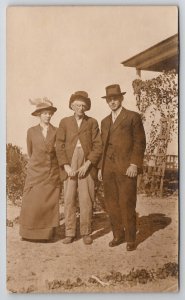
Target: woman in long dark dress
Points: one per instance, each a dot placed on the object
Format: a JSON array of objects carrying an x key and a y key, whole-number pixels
[{"x": 40, "y": 204}]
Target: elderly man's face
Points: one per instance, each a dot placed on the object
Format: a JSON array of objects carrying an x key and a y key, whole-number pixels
[
  {"x": 114, "y": 102},
  {"x": 79, "y": 107}
]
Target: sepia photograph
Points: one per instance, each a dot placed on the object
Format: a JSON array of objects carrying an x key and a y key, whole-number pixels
[{"x": 92, "y": 177}]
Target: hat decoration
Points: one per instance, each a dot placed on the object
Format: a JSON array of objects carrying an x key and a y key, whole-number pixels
[{"x": 42, "y": 104}]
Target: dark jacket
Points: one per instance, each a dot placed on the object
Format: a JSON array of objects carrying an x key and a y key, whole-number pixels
[
  {"x": 67, "y": 136},
  {"x": 42, "y": 165},
  {"x": 127, "y": 139}
]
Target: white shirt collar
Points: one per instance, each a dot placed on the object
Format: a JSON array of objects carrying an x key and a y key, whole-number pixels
[
  {"x": 44, "y": 129},
  {"x": 44, "y": 126},
  {"x": 116, "y": 113}
]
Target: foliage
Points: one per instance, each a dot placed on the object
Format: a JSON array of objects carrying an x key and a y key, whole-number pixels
[
  {"x": 99, "y": 203},
  {"x": 158, "y": 95},
  {"x": 15, "y": 173}
]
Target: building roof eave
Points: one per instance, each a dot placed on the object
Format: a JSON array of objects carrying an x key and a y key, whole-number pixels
[{"x": 160, "y": 57}]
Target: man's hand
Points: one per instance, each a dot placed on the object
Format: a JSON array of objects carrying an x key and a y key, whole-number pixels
[
  {"x": 132, "y": 171},
  {"x": 100, "y": 175},
  {"x": 70, "y": 172},
  {"x": 83, "y": 169}
]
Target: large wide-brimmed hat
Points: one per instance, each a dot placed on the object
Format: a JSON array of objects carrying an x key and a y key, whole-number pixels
[
  {"x": 113, "y": 90},
  {"x": 42, "y": 104},
  {"x": 80, "y": 95}
]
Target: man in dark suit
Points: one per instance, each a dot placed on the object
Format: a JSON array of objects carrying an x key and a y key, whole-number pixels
[
  {"x": 78, "y": 148},
  {"x": 124, "y": 144}
]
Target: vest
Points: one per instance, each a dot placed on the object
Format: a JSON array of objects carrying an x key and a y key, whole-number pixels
[{"x": 110, "y": 150}]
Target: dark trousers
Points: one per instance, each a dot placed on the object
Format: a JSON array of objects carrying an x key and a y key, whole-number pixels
[{"x": 120, "y": 201}]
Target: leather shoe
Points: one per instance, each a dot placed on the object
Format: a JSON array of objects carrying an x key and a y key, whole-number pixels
[
  {"x": 116, "y": 242},
  {"x": 87, "y": 239},
  {"x": 131, "y": 246},
  {"x": 68, "y": 240}
]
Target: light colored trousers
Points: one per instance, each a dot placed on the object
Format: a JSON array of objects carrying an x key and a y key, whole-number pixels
[{"x": 85, "y": 189}]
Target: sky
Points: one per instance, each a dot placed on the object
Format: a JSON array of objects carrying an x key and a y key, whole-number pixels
[{"x": 54, "y": 51}]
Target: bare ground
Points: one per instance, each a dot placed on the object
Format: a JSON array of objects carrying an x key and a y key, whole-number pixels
[{"x": 55, "y": 267}]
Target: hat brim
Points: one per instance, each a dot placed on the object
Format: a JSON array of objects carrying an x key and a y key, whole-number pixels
[
  {"x": 105, "y": 97},
  {"x": 37, "y": 111},
  {"x": 75, "y": 97}
]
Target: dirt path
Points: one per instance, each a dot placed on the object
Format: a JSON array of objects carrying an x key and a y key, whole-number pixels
[{"x": 55, "y": 267}]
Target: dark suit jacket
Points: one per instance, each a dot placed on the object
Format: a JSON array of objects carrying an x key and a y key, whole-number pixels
[
  {"x": 127, "y": 137},
  {"x": 43, "y": 165},
  {"x": 67, "y": 136}
]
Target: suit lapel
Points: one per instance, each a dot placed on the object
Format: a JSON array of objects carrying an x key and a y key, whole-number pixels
[
  {"x": 40, "y": 135},
  {"x": 46, "y": 141},
  {"x": 74, "y": 124},
  {"x": 51, "y": 132},
  {"x": 84, "y": 124},
  {"x": 121, "y": 117},
  {"x": 107, "y": 127}
]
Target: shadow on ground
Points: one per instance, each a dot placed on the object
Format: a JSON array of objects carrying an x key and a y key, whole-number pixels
[
  {"x": 101, "y": 225},
  {"x": 147, "y": 225}
]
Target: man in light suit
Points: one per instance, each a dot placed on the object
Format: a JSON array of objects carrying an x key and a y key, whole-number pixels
[
  {"x": 78, "y": 148},
  {"x": 124, "y": 144}
]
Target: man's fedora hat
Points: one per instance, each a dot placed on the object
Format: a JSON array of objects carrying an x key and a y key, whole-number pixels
[
  {"x": 80, "y": 95},
  {"x": 113, "y": 90},
  {"x": 42, "y": 104}
]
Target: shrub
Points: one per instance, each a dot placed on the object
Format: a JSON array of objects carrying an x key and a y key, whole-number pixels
[{"x": 15, "y": 172}]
